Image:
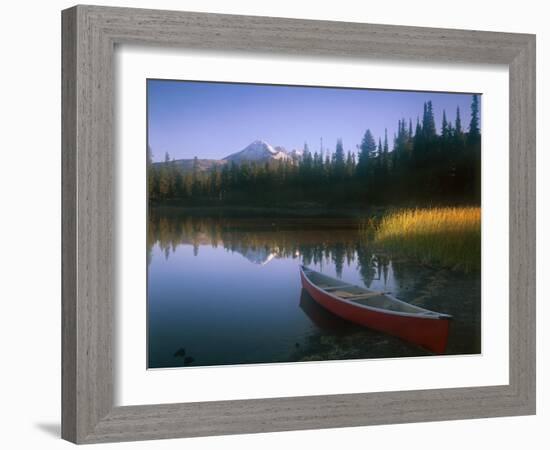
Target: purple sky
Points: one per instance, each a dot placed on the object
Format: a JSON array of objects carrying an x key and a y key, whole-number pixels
[{"x": 213, "y": 120}]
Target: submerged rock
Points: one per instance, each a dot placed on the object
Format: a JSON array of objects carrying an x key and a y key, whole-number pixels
[{"x": 180, "y": 353}]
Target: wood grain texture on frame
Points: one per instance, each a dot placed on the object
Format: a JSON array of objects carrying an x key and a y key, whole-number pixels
[{"x": 90, "y": 34}]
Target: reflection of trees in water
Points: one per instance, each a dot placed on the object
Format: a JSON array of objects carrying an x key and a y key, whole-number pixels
[
  {"x": 372, "y": 265},
  {"x": 312, "y": 241},
  {"x": 338, "y": 254}
]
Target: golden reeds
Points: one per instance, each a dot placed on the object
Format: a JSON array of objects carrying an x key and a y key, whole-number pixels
[{"x": 448, "y": 236}]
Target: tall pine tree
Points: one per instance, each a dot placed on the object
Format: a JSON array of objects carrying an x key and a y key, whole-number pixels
[
  {"x": 474, "y": 133},
  {"x": 458, "y": 123},
  {"x": 367, "y": 152},
  {"x": 428, "y": 122}
]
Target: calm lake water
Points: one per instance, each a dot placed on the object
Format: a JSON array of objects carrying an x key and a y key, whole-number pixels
[{"x": 228, "y": 291}]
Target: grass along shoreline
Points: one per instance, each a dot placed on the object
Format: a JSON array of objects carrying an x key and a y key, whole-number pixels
[{"x": 450, "y": 236}]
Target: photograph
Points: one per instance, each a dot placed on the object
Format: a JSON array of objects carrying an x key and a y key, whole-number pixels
[{"x": 293, "y": 224}]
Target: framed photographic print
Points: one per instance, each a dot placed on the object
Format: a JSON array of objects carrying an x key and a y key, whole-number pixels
[{"x": 285, "y": 217}]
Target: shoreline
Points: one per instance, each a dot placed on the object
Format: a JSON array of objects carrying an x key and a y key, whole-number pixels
[
  {"x": 265, "y": 211},
  {"x": 290, "y": 211}
]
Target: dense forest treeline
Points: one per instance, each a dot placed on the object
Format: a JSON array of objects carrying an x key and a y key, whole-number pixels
[{"x": 425, "y": 165}]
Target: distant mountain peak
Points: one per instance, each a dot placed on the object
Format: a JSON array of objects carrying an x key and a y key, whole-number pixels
[
  {"x": 261, "y": 143},
  {"x": 258, "y": 151}
]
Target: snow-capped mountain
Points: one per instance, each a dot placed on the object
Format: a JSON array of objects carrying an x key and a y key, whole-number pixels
[{"x": 258, "y": 151}]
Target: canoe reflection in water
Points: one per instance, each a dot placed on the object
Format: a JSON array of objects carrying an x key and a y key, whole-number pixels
[
  {"x": 321, "y": 317},
  {"x": 378, "y": 310}
]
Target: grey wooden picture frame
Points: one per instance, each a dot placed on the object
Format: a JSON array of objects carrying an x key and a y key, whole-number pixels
[{"x": 90, "y": 34}]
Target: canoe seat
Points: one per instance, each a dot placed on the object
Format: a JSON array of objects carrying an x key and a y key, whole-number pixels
[
  {"x": 332, "y": 288},
  {"x": 363, "y": 296},
  {"x": 343, "y": 294}
]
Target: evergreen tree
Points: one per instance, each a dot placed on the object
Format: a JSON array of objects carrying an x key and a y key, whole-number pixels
[
  {"x": 418, "y": 141},
  {"x": 450, "y": 130},
  {"x": 385, "y": 151},
  {"x": 366, "y": 154},
  {"x": 164, "y": 178},
  {"x": 444, "y": 125},
  {"x": 339, "y": 159},
  {"x": 471, "y": 167},
  {"x": 428, "y": 122},
  {"x": 306, "y": 165},
  {"x": 317, "y": 166},
  {"x": 215, "y": 183},
  {"x": 225, "y": 180},
  {"x": 418, "y": 130},
  {"x": 196, "y": 177},
  {"x": 458, "y": 124},
  {"x": 381, "y": 166},
  {"x": 339, "y": 153},
  {"x": 234, "y": 175},
  {"x": 327, "y": 166},
  {"x": 474, "y": 132},
  {"x": 402, "y": 146},
  {"x": 151, "y": 175},
  {"x": 350, "y": 165}
]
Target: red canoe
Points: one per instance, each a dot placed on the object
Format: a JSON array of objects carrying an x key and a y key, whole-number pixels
[{"x": 378, "y": 310}]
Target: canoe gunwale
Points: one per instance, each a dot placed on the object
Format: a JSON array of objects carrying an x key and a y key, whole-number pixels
[{"x": 433, "y": 315}]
